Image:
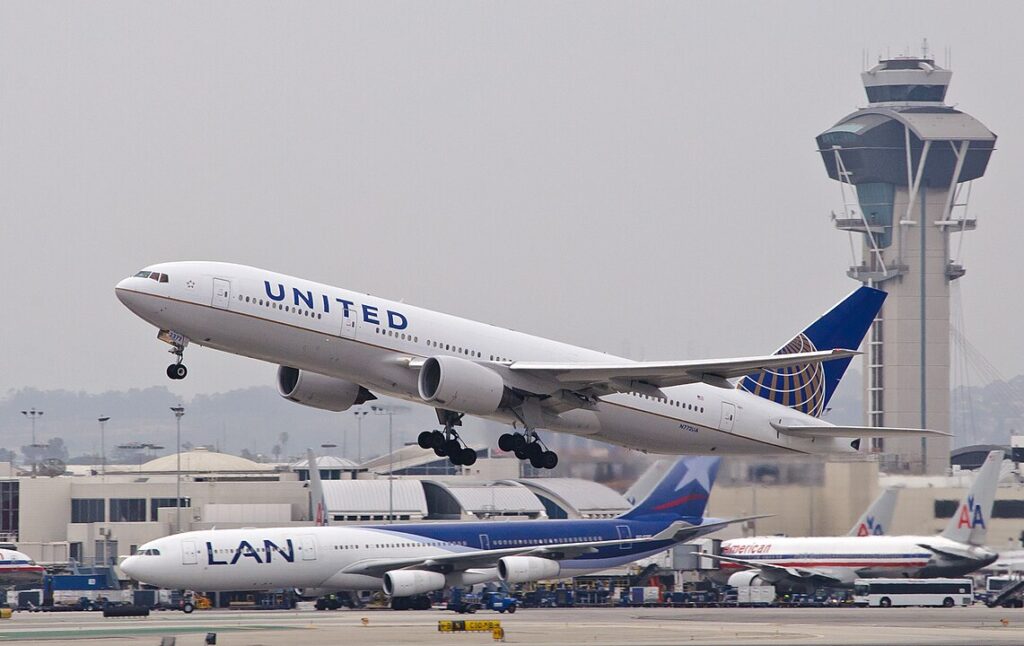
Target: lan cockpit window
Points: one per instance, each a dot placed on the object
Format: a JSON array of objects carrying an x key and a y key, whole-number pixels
[{"x": 158, "y": 277}]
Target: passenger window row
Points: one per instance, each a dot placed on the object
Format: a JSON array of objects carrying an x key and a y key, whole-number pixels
[
  {"x": 671, "y": 402},
  {"x": 278, "y": 306},
  {"x": 398, "y": 335}
]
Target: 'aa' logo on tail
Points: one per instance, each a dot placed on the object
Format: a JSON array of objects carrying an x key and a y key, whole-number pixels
[
  {"x": 970, "y": 515},
  {"x": 870, "y": 527}
]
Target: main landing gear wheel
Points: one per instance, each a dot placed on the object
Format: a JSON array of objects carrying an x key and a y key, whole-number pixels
[
  {"x": 447, "y": 443},
  {"x": 529, "y": 447}
]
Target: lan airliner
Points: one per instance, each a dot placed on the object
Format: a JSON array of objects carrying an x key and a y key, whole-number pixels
[
  {"x": 807, "y": 562},
  {"x": 412, "y": 559},
  {"x": 336, "y": 348}
]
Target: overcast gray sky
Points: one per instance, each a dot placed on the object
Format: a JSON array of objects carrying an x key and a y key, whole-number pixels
[{"x": 635, "y": 177}]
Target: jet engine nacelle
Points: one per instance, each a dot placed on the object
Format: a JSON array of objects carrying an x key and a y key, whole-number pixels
[
  {"x": 525, "y": 569},
  {"x": 461, "y": 385},
  {"x": 408, "y": 583},
  {"x": 319, "y": 391},
  {"x": 747, "y": 578}
]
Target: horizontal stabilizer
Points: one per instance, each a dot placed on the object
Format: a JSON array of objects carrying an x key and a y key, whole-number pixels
[
  {"x": 714, "y": 526},
  {"x": 827, "y": 430}
]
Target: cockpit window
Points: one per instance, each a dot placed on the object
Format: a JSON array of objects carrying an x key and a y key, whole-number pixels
[
  {"x": 149, "y": 552},
  {"x": 152, "y": 275}
]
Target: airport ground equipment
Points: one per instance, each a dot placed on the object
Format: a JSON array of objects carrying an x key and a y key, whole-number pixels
[
  {"x": 755, "y": 595},
  {"x": 905, "y": 164},
  {"x": 463, "y": 602},
  {"x": 891, "y": 593},
  {"x": 499, "y": 601},
  {"x": 335, "y": 601},
  {"x": 1008, "y": 594}
]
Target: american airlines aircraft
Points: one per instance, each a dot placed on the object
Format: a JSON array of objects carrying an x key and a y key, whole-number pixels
[
  {"x": 336, "y": 348},
  {"x": 836, "y": 561},
  {"x": 17, "y": 568},
  {"x": 412, "y": 559}
]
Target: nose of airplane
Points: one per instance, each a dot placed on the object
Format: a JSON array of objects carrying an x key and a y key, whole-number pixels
[
  {"x": 130, "y": 566},
  {"x": 127, "y": 293}
]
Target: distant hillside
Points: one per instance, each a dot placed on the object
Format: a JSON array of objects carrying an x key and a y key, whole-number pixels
[{"x": 253, "y": 419}]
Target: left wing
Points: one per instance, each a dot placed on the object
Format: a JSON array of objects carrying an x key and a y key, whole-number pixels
[
  {"x": 776, "y": 573},
  {"x": 679, "y": 530},
  {"x": 622, "y": 377}
]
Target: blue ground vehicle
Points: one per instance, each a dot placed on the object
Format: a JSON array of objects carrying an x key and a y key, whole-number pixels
[{"x": 500, "y": 601}]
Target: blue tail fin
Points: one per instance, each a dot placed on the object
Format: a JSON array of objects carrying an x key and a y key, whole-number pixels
[
  {"x": 809, "y": 387},
  {"x": 682, "y": 492}
]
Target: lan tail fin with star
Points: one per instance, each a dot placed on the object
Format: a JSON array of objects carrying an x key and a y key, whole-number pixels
[{"x": 681, "y": 493}]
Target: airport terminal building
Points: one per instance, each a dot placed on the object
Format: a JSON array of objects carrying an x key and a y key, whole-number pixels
[{"x": 93, "y": 518}]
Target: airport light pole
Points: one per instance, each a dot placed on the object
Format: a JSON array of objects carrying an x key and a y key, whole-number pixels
[
  {"x": 360, "y": 414},
  {"x": 103, "y": 419},
  {"x": 391, "y": 459},
  {"x": 178, "y": 411},
  {"x": 32, "y": 414}
]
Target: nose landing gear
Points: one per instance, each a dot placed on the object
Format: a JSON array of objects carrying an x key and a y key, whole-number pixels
[{"x": 177, "y": 370}]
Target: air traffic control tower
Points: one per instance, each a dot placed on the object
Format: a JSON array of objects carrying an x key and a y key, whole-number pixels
[{"x": 904, "y": 162}]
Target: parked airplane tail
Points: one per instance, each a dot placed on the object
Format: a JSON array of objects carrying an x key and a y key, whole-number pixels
[
  {"x": 970, "y": 522},
  {"x": 317, "y": 502},
  {"x": 875, "y": 521},
  {"x": 809, "y": 387},
  {"x": 682, "y": 492}
]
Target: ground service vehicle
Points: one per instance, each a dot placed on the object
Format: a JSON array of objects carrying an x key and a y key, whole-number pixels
[{"x": 885, "y": 593}]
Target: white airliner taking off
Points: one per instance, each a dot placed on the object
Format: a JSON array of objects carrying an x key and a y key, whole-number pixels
[
  {"x": 336, "y": 348},
  {"x": 807, "y": 562}
]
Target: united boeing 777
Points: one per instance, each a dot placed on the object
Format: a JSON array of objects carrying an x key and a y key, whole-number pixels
[{"x": 336, "y": 348}]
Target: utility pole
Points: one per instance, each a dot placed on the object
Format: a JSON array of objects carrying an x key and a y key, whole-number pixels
[
  {"x": 103, "y": 419},
  {"x": 178, "y": 411},
  {"x": 391, "y": 460}
]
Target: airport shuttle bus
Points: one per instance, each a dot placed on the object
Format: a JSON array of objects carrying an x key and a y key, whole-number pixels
[{"x": 886, "y": 593}]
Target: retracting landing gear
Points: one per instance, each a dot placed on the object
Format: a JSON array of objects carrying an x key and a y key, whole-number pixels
[
  {"x": 528, "y": 446},
  {"x": 447, "y": 442}
]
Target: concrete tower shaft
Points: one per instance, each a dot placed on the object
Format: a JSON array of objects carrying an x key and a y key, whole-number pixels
[{"x": 905, "y": 157}]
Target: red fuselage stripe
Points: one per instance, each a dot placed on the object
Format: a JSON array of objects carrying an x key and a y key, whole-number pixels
[{"x": 742, "y": 566}]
